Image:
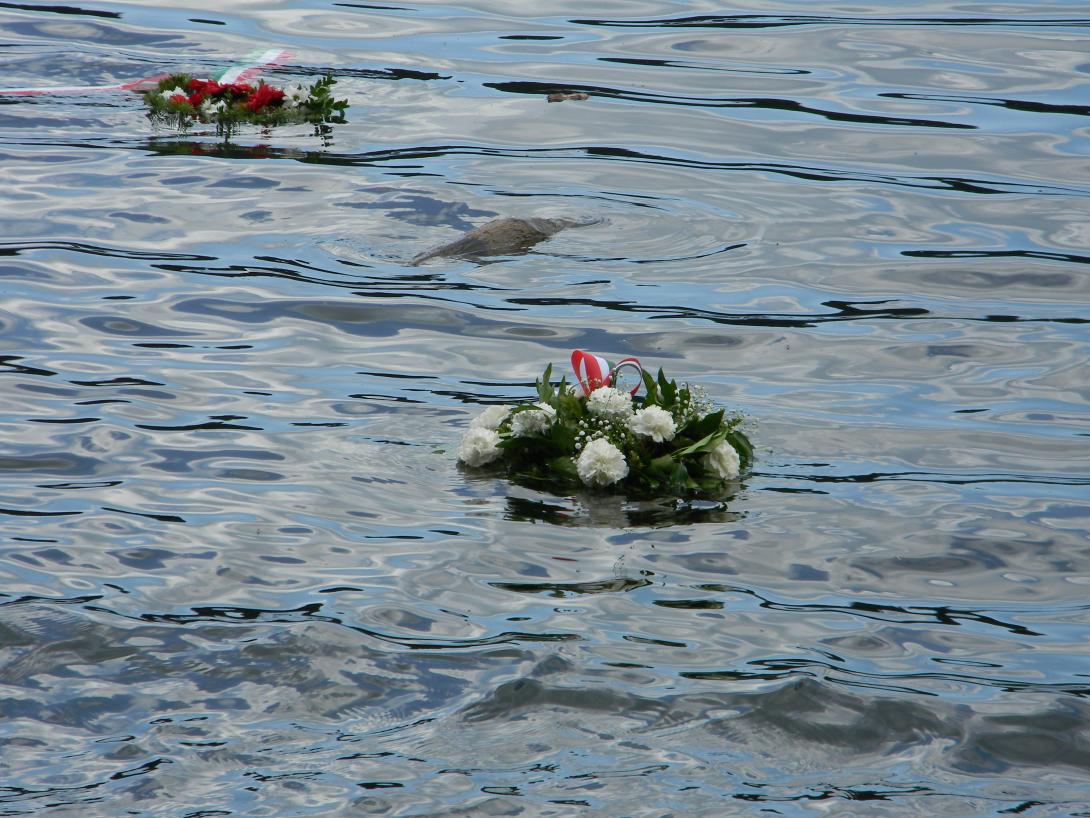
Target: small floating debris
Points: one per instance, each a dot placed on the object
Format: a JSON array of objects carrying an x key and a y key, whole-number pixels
[
  {"x": 670, "y": 441},
  {"x": 564, "y": 96}
]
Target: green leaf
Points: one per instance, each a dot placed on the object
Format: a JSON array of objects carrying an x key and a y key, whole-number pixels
[
  {"x": 651, "y": 387},
  {"x": 544, "y": 388},
  {"x": 668, "y": 390},
  {"x": 562, "y": 437},
  {"x": 569, "y": 408},
  {"x": 663, "y": 463},
  {"x": 705, "y": 444},
  {"x": 702, "y": 427},
  {"x": 563, "y": 466},
  {"x": 741, "y": 445},
  {"x": 680, "y": 481}
]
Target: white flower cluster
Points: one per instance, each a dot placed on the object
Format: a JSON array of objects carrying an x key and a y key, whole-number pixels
[
  {"x": 490, "y": 418},
  {"x": 533, "y": 421},
  {"x": 211, "y": 107},
  {"x": 605, "y": 401},
  {"x": 479, "y": 446},
  {"x": 653, "y": 422},
  {"x": 295, "y": 95},
  {"x": 601, "y": 463},
  {"x": 724, "y": 461},
  {"x": 167, "y": 93}
]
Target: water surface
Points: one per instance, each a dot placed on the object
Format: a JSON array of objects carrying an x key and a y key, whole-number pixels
[{"x": 241, "y": 573}]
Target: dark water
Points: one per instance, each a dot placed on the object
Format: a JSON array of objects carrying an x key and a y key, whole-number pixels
[{"x": 241, "y": 574}]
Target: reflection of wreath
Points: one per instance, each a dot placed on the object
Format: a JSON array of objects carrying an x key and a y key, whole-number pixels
[
  {"x": 180, "y": 100},
  {"x": 672, "y": 440}
]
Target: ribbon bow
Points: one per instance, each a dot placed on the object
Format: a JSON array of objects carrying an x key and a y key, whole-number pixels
[{"x": 593, "y": 371}]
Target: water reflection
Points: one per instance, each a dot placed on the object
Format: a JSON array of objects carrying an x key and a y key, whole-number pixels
[{"x": 618, "y": 511}]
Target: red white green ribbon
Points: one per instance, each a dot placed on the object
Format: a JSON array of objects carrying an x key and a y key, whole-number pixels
[
  {"x": 252, "y": 65},
  {"x": 246, "y": 68},
  {"x": 594, "y": 371}
]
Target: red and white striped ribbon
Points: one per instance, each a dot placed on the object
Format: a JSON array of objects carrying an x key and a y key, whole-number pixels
[
  {"x": 594, "y": 371},
  {"x": 80, "y": 89}
]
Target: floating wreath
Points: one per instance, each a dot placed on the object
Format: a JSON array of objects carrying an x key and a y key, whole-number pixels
[
  {"x": 670, "y": 440},
  {"x": 181, "y": 100}
]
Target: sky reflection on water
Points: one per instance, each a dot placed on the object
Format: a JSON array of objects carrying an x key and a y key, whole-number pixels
[{"x": 242, "y": 574}]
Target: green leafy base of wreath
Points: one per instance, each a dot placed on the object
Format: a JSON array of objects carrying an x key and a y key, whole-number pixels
[
  {"x": 320, "y": 109},
  {"x": 678, "y": 467}
]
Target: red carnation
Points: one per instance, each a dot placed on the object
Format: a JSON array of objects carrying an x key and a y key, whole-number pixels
[
  {"x": 196, "y": 99},
  {"x": 263, "y": 96},
  {"x": 206, "y": 87},
  {"x": 241, "y": 89}
]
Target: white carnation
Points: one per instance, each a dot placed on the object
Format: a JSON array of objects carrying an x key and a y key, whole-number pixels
[
  {"x": 653, "y": 422},
  {"x": 533, "y": 421},
  {"x": 210, "y": 107},
  {"x": 608, "y": 402},
  {"x": 601, "y": 463},
  {"x": 490, "y": 418},
  {"x": 723, "y": 460},
  {"x": 479, "y": 446}
]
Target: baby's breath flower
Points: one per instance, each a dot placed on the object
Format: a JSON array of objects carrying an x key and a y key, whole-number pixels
[{"x": 699, "y": 402}]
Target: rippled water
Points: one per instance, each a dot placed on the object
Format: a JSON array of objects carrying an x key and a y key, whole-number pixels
[{"x": 241, "y": 573}]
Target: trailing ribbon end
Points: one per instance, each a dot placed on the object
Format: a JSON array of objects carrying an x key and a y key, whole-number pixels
[
  {"x": 594, "y": 371},
  {"x": 634, "y": 363},
  {"x": 250, "y": 66}
]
